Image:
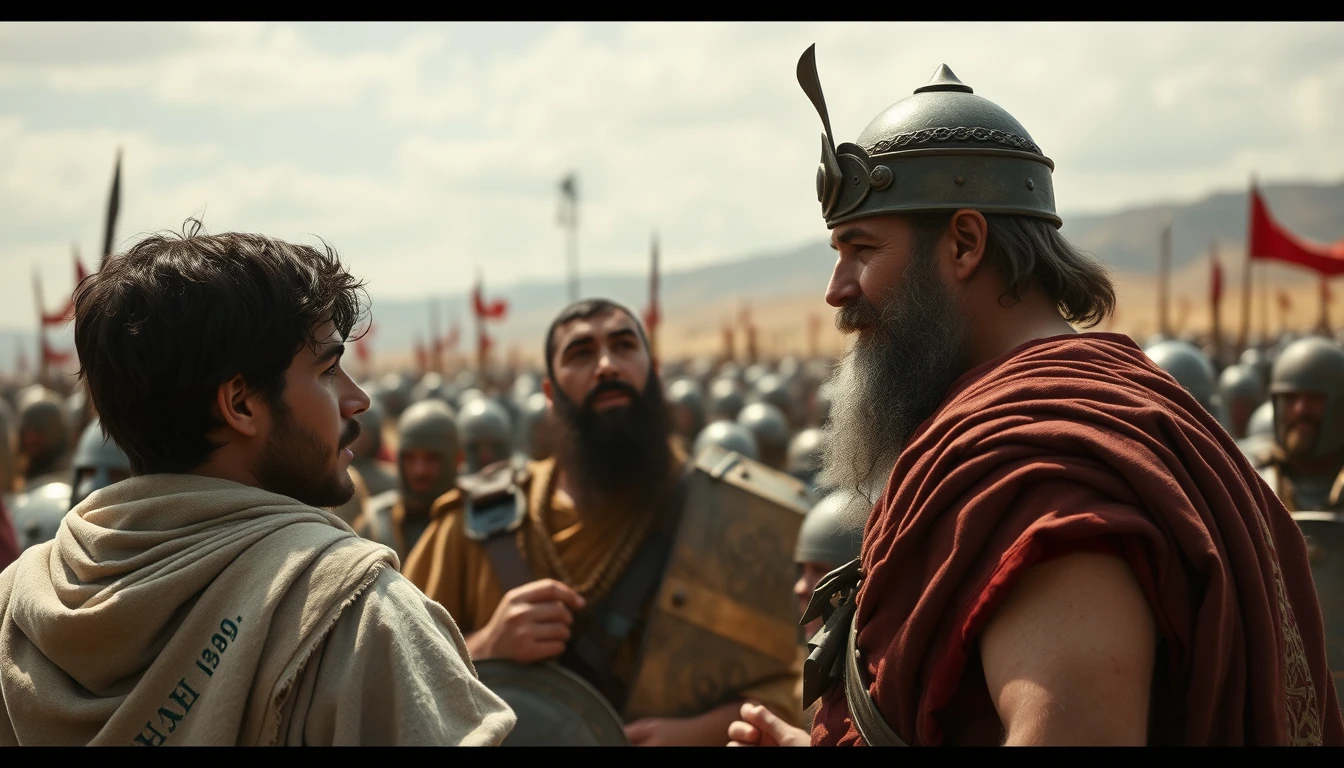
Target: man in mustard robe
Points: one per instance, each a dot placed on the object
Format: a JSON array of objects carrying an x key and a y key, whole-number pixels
[{"x": 588, "y": 510}]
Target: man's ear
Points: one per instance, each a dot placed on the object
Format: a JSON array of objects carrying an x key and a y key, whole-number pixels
[
  {"x": 546, "y": 390},
  {"x": 969, "y": 232},
  {"x": 240, "y": 407}
]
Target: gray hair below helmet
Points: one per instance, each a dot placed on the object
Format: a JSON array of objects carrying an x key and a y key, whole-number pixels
[
  {"x": 832, "y": 532},
  {"x": 98, "y": 463},
  {"x": 728, "y": 435}
]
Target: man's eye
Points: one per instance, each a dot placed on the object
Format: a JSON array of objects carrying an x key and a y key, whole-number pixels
[{"x": 333, "y": 369}]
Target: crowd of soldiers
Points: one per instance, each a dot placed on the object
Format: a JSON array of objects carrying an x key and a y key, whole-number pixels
[{"x": 421, "y": 436}]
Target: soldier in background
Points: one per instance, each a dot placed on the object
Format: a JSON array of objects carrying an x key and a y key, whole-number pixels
[
  {"x": 686, "y": 403},
  {"x": 1242, "y": 392},
  {"x": 44, "y": 441},
  {"x": 804, "y": 457},
  {"x": 1192, "y": 370},
  {"x": 536, "y": 434},
  {"x": 486, "y": 434},
  {"x": 725, "y": 399},
  {"x": 830, "y": 537},
  {"x": 770, "y": 427},
  {"x": 1306, "y": 466},
  {"x": 427, "y": 458},
  {"x": 98, "y": 462},
  {"x": 559, "y": 561},
  {"x": 728, "y": 435},
  {"x": 368, "y": 447}
]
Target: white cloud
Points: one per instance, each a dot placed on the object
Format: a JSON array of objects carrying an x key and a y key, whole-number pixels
[{"x": 450, "y": 138}]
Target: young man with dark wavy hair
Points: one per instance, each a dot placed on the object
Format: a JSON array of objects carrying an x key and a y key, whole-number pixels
[{"x": 209, "y": 599}]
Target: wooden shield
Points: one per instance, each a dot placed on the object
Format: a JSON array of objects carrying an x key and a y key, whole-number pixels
[
  {"x": 1324, "y": 532},
  {"x": 725, "y": 617}
]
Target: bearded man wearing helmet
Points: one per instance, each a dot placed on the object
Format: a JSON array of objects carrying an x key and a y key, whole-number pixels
[{"x": 1069, "y": 549}]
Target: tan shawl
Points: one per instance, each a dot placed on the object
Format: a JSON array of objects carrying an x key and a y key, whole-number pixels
[{"x": 180, "y": 609}]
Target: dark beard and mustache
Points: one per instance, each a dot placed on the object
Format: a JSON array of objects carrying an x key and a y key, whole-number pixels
[
  {"x": 298, "y": 463},
  {"x": 620, "y": 455},
  {"x": 891, "y": 381}
]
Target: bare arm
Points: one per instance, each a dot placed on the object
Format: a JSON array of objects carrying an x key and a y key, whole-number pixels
[{"x": 1069, "y": 656}]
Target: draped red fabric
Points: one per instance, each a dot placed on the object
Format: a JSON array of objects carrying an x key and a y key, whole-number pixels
[
  {"x": 1072, "y": 443},
  {"x": 1269, "y": 240}
]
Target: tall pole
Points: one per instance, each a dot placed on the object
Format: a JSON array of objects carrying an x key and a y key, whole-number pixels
[
  {"x": 1216, "y": 300},
  {"x": 41, "y": 330},
  {"x": 113, "y": 206},
  {"x": 436, "y": 339},
  {"x": 569, "y": 219},
  {"x": 1323, "y": 325},
  {"x": 1244, "y": 342},
  {"x": 1264, "y": 302},
  {"x": 1163, "y": 282}
]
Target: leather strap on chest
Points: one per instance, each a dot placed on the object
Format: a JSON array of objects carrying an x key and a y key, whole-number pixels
[{"x": 596, "y": 638}]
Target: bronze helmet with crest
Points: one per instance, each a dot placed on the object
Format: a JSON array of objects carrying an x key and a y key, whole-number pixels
[{"x": 941, "y": 149}]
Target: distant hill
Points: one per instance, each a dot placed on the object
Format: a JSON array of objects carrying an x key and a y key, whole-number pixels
[{"x": 785, "y": 287}]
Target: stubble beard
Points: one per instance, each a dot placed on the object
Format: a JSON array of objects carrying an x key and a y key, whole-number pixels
[
  {"x": 892, "y": 378},
  {"x": 297, "y": 463}
]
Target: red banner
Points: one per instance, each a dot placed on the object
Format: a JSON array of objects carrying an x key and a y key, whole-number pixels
[
  {"x": 1269, "y": 240},
  {"x": 494, "y": 310},
  {"x": 60, "y": 318}
]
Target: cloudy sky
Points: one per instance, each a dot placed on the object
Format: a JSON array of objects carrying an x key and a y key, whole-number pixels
[{"x": 422, "y": 151}]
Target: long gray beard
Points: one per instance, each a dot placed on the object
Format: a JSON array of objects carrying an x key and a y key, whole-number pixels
[{"x": 888, "y": 384}]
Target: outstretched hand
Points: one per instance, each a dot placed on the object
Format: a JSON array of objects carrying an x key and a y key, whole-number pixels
[{"x": 759, "y": 727}]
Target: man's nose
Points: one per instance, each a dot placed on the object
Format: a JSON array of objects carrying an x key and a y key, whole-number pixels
[
  {"x": 844, "y": 285},
  {"x": 355, "y": 401}
]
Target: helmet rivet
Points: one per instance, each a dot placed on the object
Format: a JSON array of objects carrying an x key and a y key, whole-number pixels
[
  {"x": 880, "y": 177},
  {"x": 960, "y": 180},
  {"x": 1031, "y": 184}
]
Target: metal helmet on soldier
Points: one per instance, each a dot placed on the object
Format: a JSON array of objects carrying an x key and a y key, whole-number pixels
[
  {"x": 395, "y": 394},
  {"x": 687, "y": 406},
  {"x": 1189, "y": 367},
  {"x": 725, "y": 399},
  {"x": 43, "y": 434},
  {"x": 486, "y": 432},
  {"x": 535, "y": 433},
  {"x": 804, "y": 457},
  {"x": 98, "y": 462},
  {"x": 728, "y": 435},
  {"x": 1240, "y": 388},
  {"x": 771, "y": 389},
  {"x": 832, "y": 532},
  {"x": 1312, "y": 364},
  {"x": 771, "y": 430},
  {"x": 753, "y": 373},
  {"x": 730, "y": 370},
  {"x": 467, "y": 395},
  {"x": 428, "y": 426},
  {"x": 370, "y": 441},
  {"x": 432, "y": 384},
  {"x": 941, "y": 149}
]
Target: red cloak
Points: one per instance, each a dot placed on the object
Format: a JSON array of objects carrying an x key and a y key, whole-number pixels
[{"x": 1080, "y": 442}]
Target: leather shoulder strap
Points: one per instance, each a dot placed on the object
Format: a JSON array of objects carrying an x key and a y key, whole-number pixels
[{"x": 870, "y": 723}]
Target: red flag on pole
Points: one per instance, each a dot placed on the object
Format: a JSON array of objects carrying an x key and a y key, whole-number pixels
[
  {"x": 653, "y": 315},
  {"x": 494, "y": 310},
  {"x": 362, "y": 347},
  {"x": 1270, "y": 241}
]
